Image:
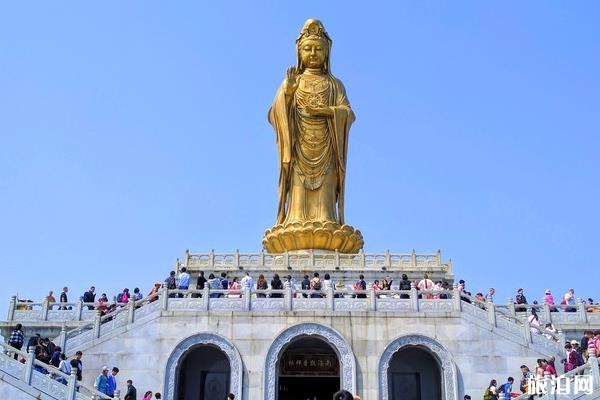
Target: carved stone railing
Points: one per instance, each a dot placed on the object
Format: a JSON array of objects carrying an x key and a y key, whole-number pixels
[
  {"x": 409, "y": 262},
  {"x": 579, "y": 383},
  {"x": 45, "y": 378},
  {"x": 418, "y": 303},
  {"x": 560, "y": 314}
]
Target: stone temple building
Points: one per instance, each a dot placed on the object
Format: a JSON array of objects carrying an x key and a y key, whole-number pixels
[{"x": 279, "y": 344}]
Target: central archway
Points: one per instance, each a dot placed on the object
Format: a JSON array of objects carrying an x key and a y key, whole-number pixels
[
  {"x": 410, "y": 364},
  {"x": 327, "y": 340}
]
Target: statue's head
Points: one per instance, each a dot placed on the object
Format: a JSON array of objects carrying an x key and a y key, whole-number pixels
[{"x": 313, "y": 46}]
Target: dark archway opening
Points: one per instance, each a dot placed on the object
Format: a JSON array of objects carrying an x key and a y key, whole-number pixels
[
  {"x": 204, "y": 374},
  {"x": 308, "y": 368},
  {"x": 414, "y": 374}
]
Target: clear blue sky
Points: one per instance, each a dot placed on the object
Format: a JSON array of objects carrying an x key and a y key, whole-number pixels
[{"x": 130, "y": 131}]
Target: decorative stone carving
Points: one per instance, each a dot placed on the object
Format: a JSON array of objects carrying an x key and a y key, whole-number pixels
[
  {"x": 337, "y": 341},
  {"x": 233, "y": 356},
  {"x": 443, "y": 357}
]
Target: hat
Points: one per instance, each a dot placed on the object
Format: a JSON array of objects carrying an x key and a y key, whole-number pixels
[
  {"x": 547, "y": 291},
  {"x": 105, "y": 368},
  {"x": 574, "y": 342}
]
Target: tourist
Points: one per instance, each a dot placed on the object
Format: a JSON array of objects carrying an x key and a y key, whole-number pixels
[
  {"x": 491, "y": 393},
  {"x": 224, "y": 283},
  {"x": 234, "y": 288},
  {"x": 55, "y": 357},
  {"x": 76, "y": 363},
  {"x": 147, "y": 395},
  {"x": 101, "y": 383},
  {"x": 33, "y": 342},
  {"x": 490, "y": 295},
  {"x": 112, "y": 382},
  {"x": 571, "y": 361},
  {"x": 137, "y": 295},
  {"x": 506, "y": 388},
  {"x": 305, "y": 285},
  {"x": 171, "y": 283},
  {"x": 480, "y": 300},
  {"x": 102, "y": 304},
  {"x": 123, "y": 297},
  {"x": 534, "y": 322},
  {"x": 549, "y": 368},
  {"x": 360, "y": 285},
  {"x": 214, "y": 284},
  {"x": 386, "y": 283},
  {"x": 153, "y": 294},
  {"x": 327, "y": 283},
  {"x": 157, "y": 396},
  {"x": 131, "y": 393},
  {"x": 437, "y": 289},
  {"x": 316, "y": 286},
  {"x": 16, "y": 339},
  {"x": 426, "y": 284},
  {"x": 65, "y": 367},
  {"x": 549, "y": 299},
  {"x": 184, "y": 281},
  {"x": 63, "y": 299},
  {"x": 569, "y": 300},
  {"x": 520, "y": 299},
  {"x": 200, "y": 283},
  {"x": 50, "y": 299},
  {"x": 276, "y": 284},
  {"x": 247, "y": 281},
  {"x": 550, "y": 332},
  {"x": 90, "y": 297},
  {"x": 404, "y": 285},
  {"x": 261, "y": 285}
]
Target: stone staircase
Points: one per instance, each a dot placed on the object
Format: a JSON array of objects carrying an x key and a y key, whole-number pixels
[{"x": 32, "y": 379}]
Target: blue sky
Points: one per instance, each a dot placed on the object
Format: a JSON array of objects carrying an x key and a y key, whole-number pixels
[{"x": 130, "y": 131}]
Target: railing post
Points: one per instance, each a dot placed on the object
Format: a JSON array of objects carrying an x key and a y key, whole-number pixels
[
  {"x": 581, "y": 311},
  {"x": 362, "y": 257},
  {"x": 28, "y": 367},
  {"x": 246, "y": 300},
  {"x": 117, "y": 395},
  {"x": 337, "y": 259},
  {"x": 288, "y": 299},
  {"x": 561, "y": 338},
  {"x": 455, "y": 298},
  {"x": 79, "y": 309},
  {"x": 330, "y": 298},
  {"x": 286, "y": 259},
  {"x": 511, "y": 307},
  {"x": 547, "y": 314},
  {"x": 261, "y": 258},
  {"x": 12, "y": 306},
  {"x": 593, "y": 360},
  {"x": 491, "y": 309},
  {"x": 311, "y": 258},
  {"x": 526, "y": 331},
  {"x": 211, "y": 258},
  {"x": 205, "y": 297},
  {"x": 236, "y": 258},
  {"x": 62, "y": 338},
  {"x": 97, "y": 322},
  {"x": 72, "y": 384},
  {"x": 164, "y": 298},
  {"x": 45, "y": 310},
  {"x": 501, "y": 396},
  {"x": 372, "y": 300},
  {"x": 388, "y": 259},
  {"x": 414, "y": 297},
  {"x": 131, "y": 311},
  {"x": 413, "y": 258}
]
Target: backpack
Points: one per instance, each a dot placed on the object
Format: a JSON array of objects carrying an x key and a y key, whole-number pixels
[
  {"x": 487, "y": 395},
  {"x": 317, "y": 284},
  {"x": 501, "y": 388}
]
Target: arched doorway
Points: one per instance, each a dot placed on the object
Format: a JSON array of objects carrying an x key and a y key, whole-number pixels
[
  {"x": 203, "y": 366},
  {"x": 293, "y": 338},
  {"x": 417, "y": 367},
  {"x": 414, "y": 374},
  {"x": 308, "y": 368},
  {"x": 204, "y": 374}
]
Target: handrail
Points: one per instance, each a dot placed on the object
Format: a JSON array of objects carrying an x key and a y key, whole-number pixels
[{"x": 30, "y": 372}]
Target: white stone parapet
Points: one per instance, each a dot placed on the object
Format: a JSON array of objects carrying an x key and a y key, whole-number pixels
[{"x": 318, "y": 260}]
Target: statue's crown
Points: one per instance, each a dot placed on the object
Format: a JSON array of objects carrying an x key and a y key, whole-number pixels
[{"x": 313, "y": 29}]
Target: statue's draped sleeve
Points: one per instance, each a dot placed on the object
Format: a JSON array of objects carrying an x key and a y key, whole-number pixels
[{"x": 279, "y": 118}]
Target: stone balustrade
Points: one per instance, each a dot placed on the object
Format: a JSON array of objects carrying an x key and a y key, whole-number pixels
[
  {"x": 330, "y": 302},
  {"x": 46, "y": 378},
  {"x": 580, "y": 314},
  {"x": 315, "y": 259}
]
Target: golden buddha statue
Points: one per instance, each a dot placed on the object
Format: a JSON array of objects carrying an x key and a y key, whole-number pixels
[{"x": 311, "y": 117}]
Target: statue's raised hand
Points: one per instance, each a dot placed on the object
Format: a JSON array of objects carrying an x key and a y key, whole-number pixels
[{"x": 291, "y": 81}]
